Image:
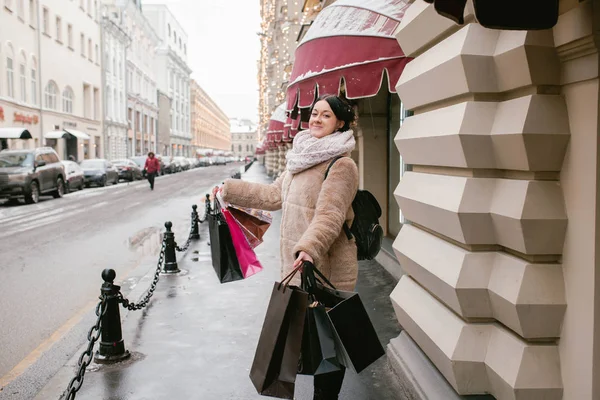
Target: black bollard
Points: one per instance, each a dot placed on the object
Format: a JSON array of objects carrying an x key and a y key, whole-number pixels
[
  {"x": 112, "y": 347},
  {"x": 195, "y": 234},
  {"x": 207, "y": 203},
  {"x": 170, "y": 256}
]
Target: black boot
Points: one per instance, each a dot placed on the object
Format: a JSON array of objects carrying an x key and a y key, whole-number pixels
[
  {"x": 328, "y": 386},
  {"x": 322, "y": 395}
]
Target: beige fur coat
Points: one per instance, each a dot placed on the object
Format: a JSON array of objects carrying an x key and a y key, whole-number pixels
[{"x": 314, "y": 211}]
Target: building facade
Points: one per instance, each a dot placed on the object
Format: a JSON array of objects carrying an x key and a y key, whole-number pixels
[
  {"x": 115, "y": 42},
  {"x": 173, "y": 74},
  {"x": 493, "y": 173},
  {"x": 210, "y": 125},
  {"x": 142, "y": 95},
  {"x": 244, "y": 138},
  {"x": 284, "y": 23},
  {"x": 38, "y": 38},
  {"x": 164, "y": 124}
]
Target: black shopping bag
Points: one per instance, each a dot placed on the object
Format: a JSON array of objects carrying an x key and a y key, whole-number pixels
[
  {"x": 224, "y": 260},
  {"x": 357, "y": 342},
  {"x": 275, "y": 364},
  {"x": 318, "y": 355}
]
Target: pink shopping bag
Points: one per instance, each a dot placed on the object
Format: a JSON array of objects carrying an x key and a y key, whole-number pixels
[{"x": 249, "y": 264}]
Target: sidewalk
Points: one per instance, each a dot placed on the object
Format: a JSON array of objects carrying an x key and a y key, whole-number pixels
[{"x": 197, "y": 337}]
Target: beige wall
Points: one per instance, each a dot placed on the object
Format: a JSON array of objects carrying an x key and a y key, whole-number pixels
[{"x": 502, "y": 203}]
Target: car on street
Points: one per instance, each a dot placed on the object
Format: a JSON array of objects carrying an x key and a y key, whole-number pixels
[
  {"x": 74, "y": 176},
  {"x": 128, "y": 170},
  {"x": 167, "y": 166},
  {"x": 30, "y": 173},
  {"x": 182, "y": 162},
  {"x": 98, "y": 171}
]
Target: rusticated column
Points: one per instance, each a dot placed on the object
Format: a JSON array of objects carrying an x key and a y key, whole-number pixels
[{"x": 484, "y": 293}]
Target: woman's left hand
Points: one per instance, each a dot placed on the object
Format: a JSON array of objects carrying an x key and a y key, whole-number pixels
[{"x": 302, "y": 256}]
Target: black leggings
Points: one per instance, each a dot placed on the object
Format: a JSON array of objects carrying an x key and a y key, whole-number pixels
[
  {"x": 151, "y": 176},
  {"x": 327, "y": 386}
]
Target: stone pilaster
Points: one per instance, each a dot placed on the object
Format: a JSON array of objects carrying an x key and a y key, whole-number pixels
[{"x": 484, "y": 294}]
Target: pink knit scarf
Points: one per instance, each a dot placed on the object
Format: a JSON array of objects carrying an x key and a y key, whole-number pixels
[{"x": 309, "y": 151}]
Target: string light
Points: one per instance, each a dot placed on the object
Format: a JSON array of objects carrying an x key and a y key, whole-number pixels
[{"x": 278, "y": 44}]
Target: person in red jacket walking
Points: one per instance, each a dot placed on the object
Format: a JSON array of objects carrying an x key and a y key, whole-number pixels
[{"x": 152, "y": 168}]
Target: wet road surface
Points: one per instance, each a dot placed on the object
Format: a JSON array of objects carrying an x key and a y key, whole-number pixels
[{"x": 52, "y": 254}]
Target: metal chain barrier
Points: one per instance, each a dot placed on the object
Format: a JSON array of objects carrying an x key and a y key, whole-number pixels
[
  {"x": 86, "y": 357},
  {"x": 206, "y": 211},
  {"x": 195, "y": 220},
  {"x": 189, "y": 239},
  {"x": 133, "y": 306}
]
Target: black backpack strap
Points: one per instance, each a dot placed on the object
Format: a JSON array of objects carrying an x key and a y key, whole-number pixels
[
  {"x": 331, "y": 165},
  {"x": 345, "y": 226}
]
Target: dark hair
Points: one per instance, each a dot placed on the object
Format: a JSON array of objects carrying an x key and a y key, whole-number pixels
[
  {"x": 150, "y": 153},
  {"x": 341, "y": 108}
]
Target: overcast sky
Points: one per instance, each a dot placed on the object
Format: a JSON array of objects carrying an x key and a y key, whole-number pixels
[{"x": 223, "y": 49}]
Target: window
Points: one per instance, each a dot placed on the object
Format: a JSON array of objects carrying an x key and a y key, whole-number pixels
[
  {"x": 67, "y": 100},
  {"x": 95, "y": 9},
  {"x": 32, "y": 11},
  {"x": 116, "y": 105},
  {"x": 96, "y": 54},
  {"x": 21, "y": 9},
  {"x": 89, "y": 7},
  {"x": 46, "y": 21},
  {"x": 240, "y": 148},
  {"x": 184, "y": 49},
  {"x": 121, "y": 106},
  {"x": 169, "y": 29},
  {"x": 70, "y": 36},
  {"x": 10, "y": 78},
  {"x": 180, "y": 43},
  {"x": 90, "y": 49},
  {"x": 96, "y": 103},
  {"x": 87, "y": 100},
  {"x": 33, "y": 82},
  {"x": 109, "y": 104},
  {"x": 175, "y": 37},
  {"x": 23, "y": 81},
  {"x": 50, "y": 95},
  {"x": 82, "y": 44},
  {"x": 58, "y": 29}
]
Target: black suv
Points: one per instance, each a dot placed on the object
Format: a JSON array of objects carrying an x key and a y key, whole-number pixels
[{"x": 30, "y": 173}]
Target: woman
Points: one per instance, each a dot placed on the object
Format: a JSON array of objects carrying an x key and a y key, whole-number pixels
[
  {"x": 152, "y": 168},
  {"x": 314, "y": 208}
]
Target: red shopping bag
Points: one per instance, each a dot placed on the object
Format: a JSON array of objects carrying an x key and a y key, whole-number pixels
[{"x": 249, "y": 264}]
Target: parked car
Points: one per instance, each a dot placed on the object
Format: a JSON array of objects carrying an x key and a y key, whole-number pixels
[
  {"x": 183, "y": 163},
  {"x": 193, "y": 162},
  {"x": 30, "y": 173},
  {"x": 98, "y": 171},
  {"x": 141, "y": 162},
  {"x": 167, "y": 165},
  {"x": 74, "y": 176},
  {"x": 128, "y": 170}
]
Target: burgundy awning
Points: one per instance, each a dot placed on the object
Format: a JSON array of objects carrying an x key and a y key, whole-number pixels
[
  {"x": 350, "y": 41},
  {"x": 275, "y": 128}
]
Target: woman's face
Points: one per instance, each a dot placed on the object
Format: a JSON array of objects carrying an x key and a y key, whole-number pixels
[{"x": 323, "y": 121}]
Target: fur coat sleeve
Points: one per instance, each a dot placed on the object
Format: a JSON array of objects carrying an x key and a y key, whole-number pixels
[
  {"x": 254, "y": 195},
  {"x": 335, "y": 198}
]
